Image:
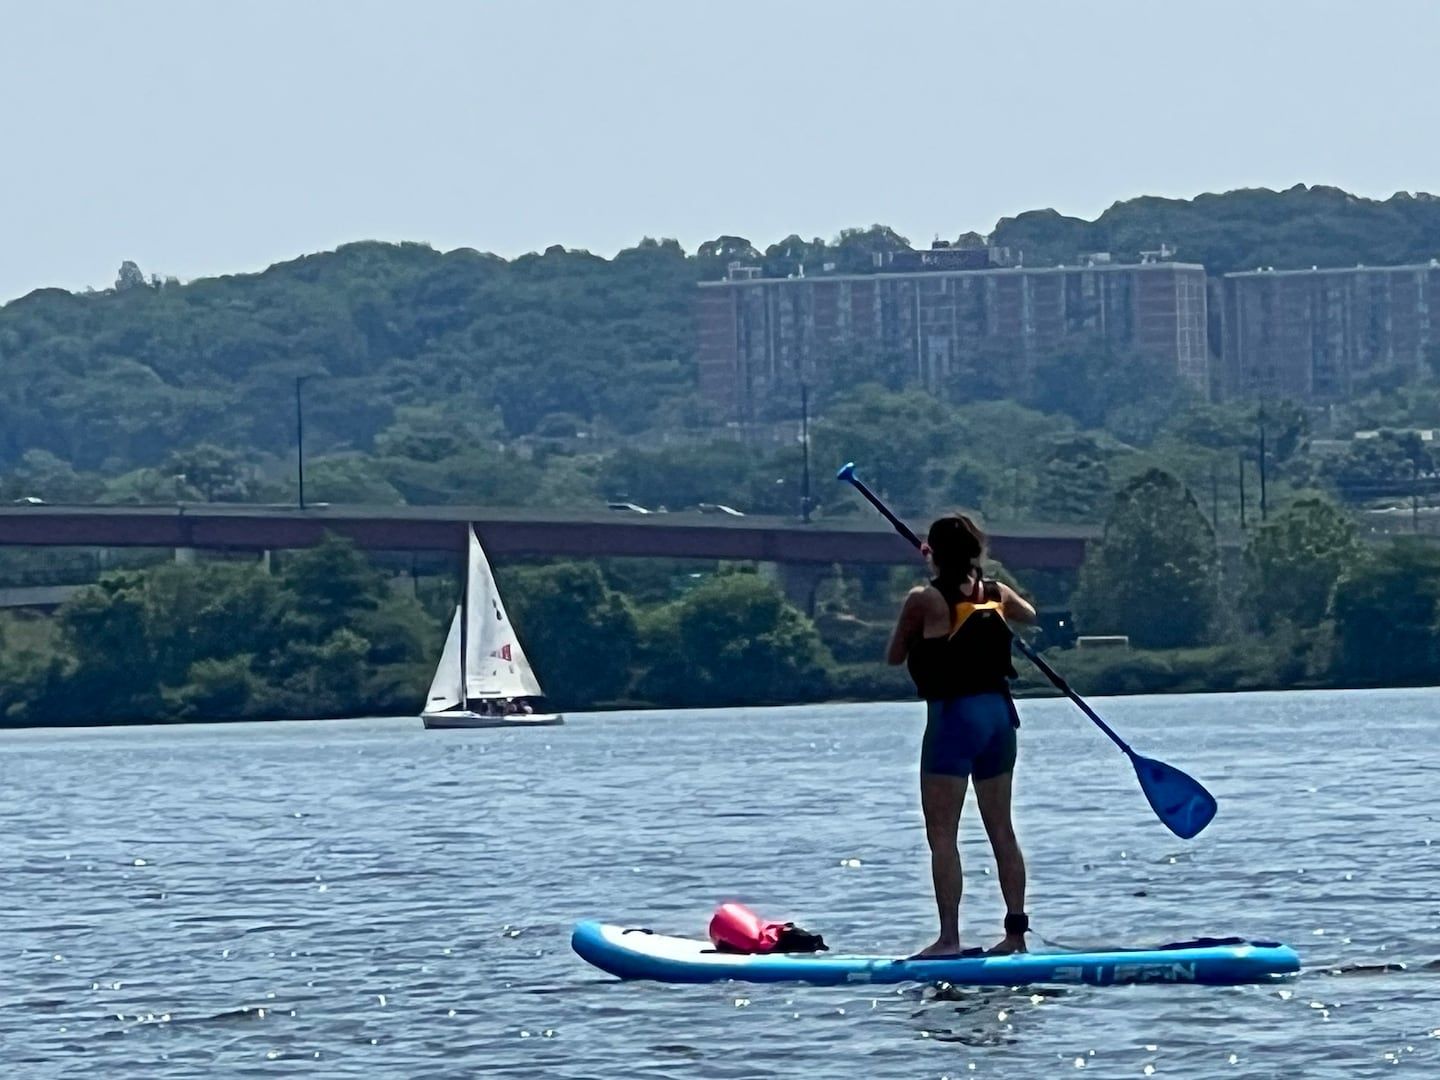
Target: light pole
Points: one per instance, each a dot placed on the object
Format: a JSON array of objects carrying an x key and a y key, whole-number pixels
[
  {"x": 805, "y": 446},
  {"x": 300, "y": 438},
  {"x": 1242, "y": 491},
  {"x": 1414, "y": 497},
  {"x": 1263, "y": 504},
  {"x": 1214, "y": 499}
]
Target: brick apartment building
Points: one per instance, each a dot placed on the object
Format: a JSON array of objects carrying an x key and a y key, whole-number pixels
[
  {"x": 1315, "y": 335},
  {"x": 758, "y": 337}
]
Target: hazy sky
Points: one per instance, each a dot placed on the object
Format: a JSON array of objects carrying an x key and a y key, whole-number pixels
[{"x": 204, "y": 137}]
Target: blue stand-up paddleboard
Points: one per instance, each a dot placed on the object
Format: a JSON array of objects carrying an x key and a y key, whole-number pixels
[{"x": 633, "y": 953}]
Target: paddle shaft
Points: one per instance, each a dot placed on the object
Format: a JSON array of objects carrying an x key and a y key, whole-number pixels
[{"x": 1030, "y": 654}]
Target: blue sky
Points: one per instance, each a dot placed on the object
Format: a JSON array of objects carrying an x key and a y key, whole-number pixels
[{"x": 202, "y": 138}]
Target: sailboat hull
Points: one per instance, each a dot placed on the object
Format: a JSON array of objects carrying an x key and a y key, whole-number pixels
[{"x": 466, "y": 719}]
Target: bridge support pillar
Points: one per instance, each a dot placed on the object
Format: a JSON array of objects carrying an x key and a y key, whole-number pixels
[
  {"x": 184, "y": 555},
  {"x": 800, "y": 581}
]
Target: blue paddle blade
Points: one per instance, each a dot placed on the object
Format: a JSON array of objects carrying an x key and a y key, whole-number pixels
[
  {"x": 1177, "y": 799},
  {"x": 846, "y": 471}
]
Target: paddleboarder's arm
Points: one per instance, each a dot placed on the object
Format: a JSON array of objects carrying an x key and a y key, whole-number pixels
[
  {"x": 922, "y": 605},
  {"x": 1015, "y": 607}
]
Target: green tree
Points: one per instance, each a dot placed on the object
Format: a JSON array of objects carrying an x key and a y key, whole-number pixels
[
  {"x": 896, "y": 439},
  {"x": 332, "y": 583},
  {"x": 129, "y": 277},
  {"x": 1213, "y": 427},
  {"x": 218, "y": 640},
  {"x": 208, "y": 610},
  {"x": 219, "y": 688},
  {"x": 681, "y": 477},
  {"x": 790, "y": 255},
  {"x": 42, "y": 475},
  {"x": 1099, "y": 386},
  {"x": 1287, "y": 429},
  {"x": 213, "y": 472},
  {"x": 10, "y": 677},
  {"x": 855, "y": 249},
  {"x": 399, "y": 631},
  {"x": 1076, "y": 380},
  {"x": 1153, "y": 574},
  {"x": 352, "y": 480},
  {"x": 580, "y": 634},
  {"x": 105, "y": 631},
  {"x": 133, "y": 638},
  {"x": 1239, "y": 230},
  {"x": 325, "y": 678},
  {"x": 426, "y": 434},
  {"x": 1295, "y": 560},
  {"x": 714, "y": 256},
  {"x": 734, "y": 640},
  {"x": 1074, "y": 478},
  {"x": 969, "y": 484},
  {"x": 475, "y": 476},
  {"x": 1387, "y": 616},
  {"x": 1385, "y": 463},
  {"x": 147, "y": 485}
]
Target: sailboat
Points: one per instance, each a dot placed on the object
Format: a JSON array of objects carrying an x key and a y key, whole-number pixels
[{"x": 483, "y": 668}]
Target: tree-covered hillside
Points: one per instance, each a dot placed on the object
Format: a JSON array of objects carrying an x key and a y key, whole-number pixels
[
  {"x": 424, "y": 368},
  {"x": 120, "y": 378},
  {"x": 1241, "y": 230}
]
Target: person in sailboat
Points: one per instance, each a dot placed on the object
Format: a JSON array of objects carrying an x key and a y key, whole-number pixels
[{"x": 954, "y": 635}]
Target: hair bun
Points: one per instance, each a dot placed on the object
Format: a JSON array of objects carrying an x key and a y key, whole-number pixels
[{"x": 956, "y": 544}]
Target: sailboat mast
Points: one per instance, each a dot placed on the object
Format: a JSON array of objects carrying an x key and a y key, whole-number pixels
[{"x": 464, "y": 619}]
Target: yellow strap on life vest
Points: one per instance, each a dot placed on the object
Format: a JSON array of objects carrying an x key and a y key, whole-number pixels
[{"x": 962, "y": 611}]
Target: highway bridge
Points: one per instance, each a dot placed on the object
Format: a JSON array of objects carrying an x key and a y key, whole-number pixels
[{"x": 682, "y": 535}]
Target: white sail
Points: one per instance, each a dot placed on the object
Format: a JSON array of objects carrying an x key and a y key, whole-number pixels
[
  {"x": 445, "y": 686},
  {"x": 495, "y": 665},
  {"x": 525, "y": 672}
]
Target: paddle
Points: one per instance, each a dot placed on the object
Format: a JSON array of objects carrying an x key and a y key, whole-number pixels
[{"x": 1179, "y": 800}]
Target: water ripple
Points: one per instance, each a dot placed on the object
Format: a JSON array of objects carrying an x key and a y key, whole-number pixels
[{"x": 366, "y": 898}]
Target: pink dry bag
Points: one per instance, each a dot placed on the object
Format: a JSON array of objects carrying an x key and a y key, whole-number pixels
[{"x": 735, "y": 928}]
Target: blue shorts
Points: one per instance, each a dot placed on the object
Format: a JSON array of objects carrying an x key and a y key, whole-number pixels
[{"x": 970, "y": 735}]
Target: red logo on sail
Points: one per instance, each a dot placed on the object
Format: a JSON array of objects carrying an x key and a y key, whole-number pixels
[{"x": 503, "y": 652}]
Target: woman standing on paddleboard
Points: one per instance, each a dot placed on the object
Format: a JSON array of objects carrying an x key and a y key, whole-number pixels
[{"x": 954, "y": 636}]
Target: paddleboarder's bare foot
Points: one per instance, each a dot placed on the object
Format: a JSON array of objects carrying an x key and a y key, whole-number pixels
[
  {"x": 1013, "y": 943},
  {"x": 942, "y": 947}
]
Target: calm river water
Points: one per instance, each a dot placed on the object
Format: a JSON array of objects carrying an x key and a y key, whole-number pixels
[{"x": 366, "y": 898}]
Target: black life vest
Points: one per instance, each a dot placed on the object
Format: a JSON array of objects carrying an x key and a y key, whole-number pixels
[{"x": 974, "y": 658}]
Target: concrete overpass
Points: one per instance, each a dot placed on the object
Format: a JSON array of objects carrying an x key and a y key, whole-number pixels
[
  {"x": 681, "y": 535},
  {"x": 40, "y": 597}
]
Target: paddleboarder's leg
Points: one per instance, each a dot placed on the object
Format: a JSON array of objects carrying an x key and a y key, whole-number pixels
[
  {"x": 992, "y": 795},
  {"x": 942, "y": 798}
]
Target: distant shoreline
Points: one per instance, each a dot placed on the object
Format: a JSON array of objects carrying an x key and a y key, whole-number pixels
[{"x": 1021, "y": 694}]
